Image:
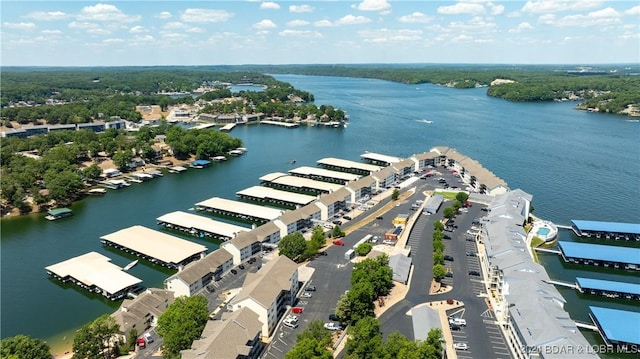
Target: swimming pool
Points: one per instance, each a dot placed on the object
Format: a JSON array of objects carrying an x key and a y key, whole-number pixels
[{"x": 543, "y": 231}]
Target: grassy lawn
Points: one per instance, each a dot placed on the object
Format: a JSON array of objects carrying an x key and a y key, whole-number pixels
[
  {"x": 448, "y": 195},
  {"x": 536, "y": 241}
]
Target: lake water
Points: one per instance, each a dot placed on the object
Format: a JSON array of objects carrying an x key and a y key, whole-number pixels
[{"x": 577, "y": 165}]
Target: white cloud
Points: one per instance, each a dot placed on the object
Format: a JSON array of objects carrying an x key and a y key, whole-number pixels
[
  {"x": 112, "y": 41},
  {"x": 607, "y": 16},
  {"x": 293, "y": 23},
  {"x": 374, "y": 5},
  {"x": 173, "y": 36},
  {"x": 462, "y": 38},
  {"x": 323, "y": 23},
  {"x": 301, "y": 33},
  {"x": 268, "y": 5},
  {"x": 82, "y": 25},
  {"x": 98, "y": 31},
  {"x": 195, "y": 29},
  {"x": 19, "y": 25},
  {"x": 548, "y": 6},
  {"x": 47, "y": 15},
  {"x": 521, "y": 27},
  {"x": 137, "y": 29},
  {"x": 205, "y": 15},
  {"x": 497, "y": 9},
  {"x": 390, "y": 35},
  {"x": 105, "y": 12},
  {"x": 174, "y": 25},
  {"x": 633, "y": 11},
  {"x": 353, "y": 20},
  {"x": 301, "y": 8},
  {"x": 164, "y": 15},
  {"x": 416, "y": 17},
  {"x": 462, "y": 8},
  {"x": 51, "y": 32},
  {"x": 264, "y": 24}
]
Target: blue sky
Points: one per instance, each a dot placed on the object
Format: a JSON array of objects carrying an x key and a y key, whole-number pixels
[{"x": 78, "y": 33}]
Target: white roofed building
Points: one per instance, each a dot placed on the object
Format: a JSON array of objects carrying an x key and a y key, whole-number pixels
[
  {"x": 243, "y": 246},
  {"x": 331, "y": 203},
  {"x": 301, "y": 218},
  {"x": 197, "y": 275}
]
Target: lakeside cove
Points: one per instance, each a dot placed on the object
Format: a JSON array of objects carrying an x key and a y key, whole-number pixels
[{"x": 489, "y": 136}]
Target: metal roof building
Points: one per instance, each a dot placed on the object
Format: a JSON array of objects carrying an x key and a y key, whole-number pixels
[
  {"x": 198, "y": 225},
  {"x": 608, "y": 286},
  {"x": 298, "y": 184},
  {"x": 154, "y": 246},
  {"x": 584, "y": 252},
  {"x": 617, "y": 326},
  {"x": 433, "y": 204},
  {"x": 348, "y": 166},
  {"x": 401, "y": 266},
  {"x": 588, "y": 228},
  {"x": 95, "y": 273},
  {"x": 380, "y": 159},
  {"x": 322, "y": 174},
  {"x": 243, "y": 210},
  {"x": 266, "y": 194}
]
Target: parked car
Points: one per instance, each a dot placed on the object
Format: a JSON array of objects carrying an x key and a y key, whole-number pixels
[
  {"x": 472, "y": 254},
  {"x": 324, "y": 253},
  {"x": 474, "y": 273},
  {"x": 449, "y": 274},
  {"x": 233, "y": 271},
  {"x": 446, "y": 236},
  {"x": 296, "y": 310},
  {"x": 252, "y": 260},
  {"x": 333, "y": 317},
  {"x": 460, "y": 346},
  {"x": 338, "y": 242},
  {"x": 458, "y": 321},
  {"x": 241, "y": 266},
  {"x": 311, "y": 288},
  {"x": 307, "y": 295},
  {"x": 148, "y": 338},
  {"x": 347, "y": 218},
  {"x": 210, "y": 288},
  {"x": 291, "y": 325},
  {"x": 454, "y": 327},
  {"x": 332, "y": 326},
  {"x": 470, "y": 238},
  {"x": 448, "y": 258},
  {"x": 380, "y": 218}
]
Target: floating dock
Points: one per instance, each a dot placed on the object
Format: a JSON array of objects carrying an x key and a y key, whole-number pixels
[
  {"x": 287, "y": 182},
  {"x": 600, "y": 255},
  {"x": 270, "y": 195},
  {"x": 281, "y": 124},
  {"x": 156, "y": 247},
  {"x": 607, "y": 230},
  {"x": 320, "y": 174},
  {"x": 246, "y": 211},
  {"x": 199, "y": 226},
  {"x": 607, "y": 288},
  {"x": 617, "y": 327},
  {"x": 95, "y": 273},
  {"x": 58, "y": 213},
  {"x": 228, "y": 127},
  {"x": 379, "y": 159},
  {"x": 337, "y": 164}
]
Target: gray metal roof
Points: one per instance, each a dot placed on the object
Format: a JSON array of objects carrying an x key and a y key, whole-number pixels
[{"x": 265, "y": 286}]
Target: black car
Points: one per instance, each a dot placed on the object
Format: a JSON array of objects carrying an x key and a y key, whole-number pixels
[
  {"x": 380, "y": 218},
  {"x": 449, "y": 275},
  {"x": 311, "y": 288},
  {"x": 474, "y": 273},
  {"x": 324, "y": 254},
  {"x": 233, "y": 271},
  {"x": 470, "y": 239},
  {"x": 347, "y": 218},
  {"x": 241, "y": 266},
  {"x": 333, "y": 318},
  {"x": 472, "y": 254},
  {"x": 252, "y": 260},
  {"x": 454, "y": 326},
  {"x": 448, "y": 258},
  {"x": 211, "y": 288},
  {"x": 446, "y": 236}
]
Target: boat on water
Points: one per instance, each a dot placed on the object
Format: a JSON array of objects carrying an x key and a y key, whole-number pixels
[
  {"x": 134, "y": 180},
  {"x": 130, "y": 265},
  {"x": 219, "y": 158},
  {"x": 58, "y": 213},
  {"x": 235, "y": 152},
  {"x": 97, "y": 191}
]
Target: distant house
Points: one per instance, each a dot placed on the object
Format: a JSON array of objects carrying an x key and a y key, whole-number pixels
[
  {"x": 268, "y": 292},
  {"x": 136, "y": 162},
  {"x": 142, "y": 312}
]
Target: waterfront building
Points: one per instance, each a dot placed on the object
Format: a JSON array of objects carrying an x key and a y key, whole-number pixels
[
  {"x": 608, "y": 288},
  {"x": 299, "y": 219},
  {"x": 269, "y": 292},
  {"x": 379, "y": 159},
  {"x": 270, "y": 195},
  {"x": 320, "y": 174},
  {"x": 385, "y": 178},
  {"x": 142, "y": 312},
  {"x": 287, "y": 182},
  {"x": 196, "y": 275},
  {"x": 608, "y": 230},
  {"x": 337, "y": 164},
  {"x": 600, "y": 255},
  {"x": 154, "y": 246},
  {"x": 404, "y": 168},
  {"x": 199, "y": 226},
  {"x": 530, "y": 310},
  {"x": 424, "y": 161},
  {"x": 333, "y": 202},
  {"x": 245, "y": 245},
  {"x": 95, "y": 273},
  {"x": 618, "y": 327},
  {"x": 236, "y": 335},
  {"x": 362, "y": 188},
  {"x": 246, "y": 211},
  {"x": 470, "y": 170}
]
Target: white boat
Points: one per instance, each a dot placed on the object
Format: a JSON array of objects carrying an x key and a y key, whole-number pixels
[
  {"x": 219, "y": 158},
  {"x": 97, "y": 191},
  {"x": 130, "y": 265},
  {"x": 235, "y": 152}
]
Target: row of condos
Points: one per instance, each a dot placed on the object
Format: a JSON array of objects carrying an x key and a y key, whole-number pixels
[
  {"x": 32, "y": 130},
  {"x": 529, "y": 309}
]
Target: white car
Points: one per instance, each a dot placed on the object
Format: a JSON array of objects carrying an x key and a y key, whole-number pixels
[
  {"x": 458, "y": 321},
  {"x": 307, "y": 295},
  {"x": 332, "y": 326},
  {"x": 291, "y": 325},
  {"x": 460, "y": 346}
]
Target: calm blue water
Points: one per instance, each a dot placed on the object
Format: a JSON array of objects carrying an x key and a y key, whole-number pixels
[{"x": 577, "y": 165}]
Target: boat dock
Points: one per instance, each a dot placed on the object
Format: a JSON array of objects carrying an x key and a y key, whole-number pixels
[
  {"x": 546, "y": 250},
  {"x": 58, "y": 213},
  {"x": 95, "y": 273},
  {"x": 287, "y": 182},
  {"x": 156, "y": 247},
  {"x": 562, "y": 283},
  {"x": 607, "y": 288},
  {"x": 200, "y": 163},
  {"x": 617, "y": 327},
  {"x": 177, "y": 169},
  {"x": 606, "y": 230},
  {"x": 228, "y": 127},
  {"x": 337, "y": 164},
  {"x": 236, "y": 209},
  {"x": 199, "y": 226},
  {"x": 600, "y": 255},
  {"x": 270, "y": 195},
  {"x": 281, "y": 124},
  {"x": 320, "y": 174}
]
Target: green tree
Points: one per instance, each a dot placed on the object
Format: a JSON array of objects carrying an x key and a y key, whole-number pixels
[
  {"x": 363, "y": 249},
  {"x": 462, "y": 196},
  {"x": 438, "y": 235},
  {"x": 361, "y": 297},
  {"x": 122, "y": 159},
  {"x": 337, "y": 232},
  {"x": 317, "y": 236},
  {"x": 181, "y": 324},
  {"x": 97, "y": 339},
  {"x": 23, "y": 346},
  {"x": 365, "y": 339},
  {"x": 317, "y": 332},
  {"x": 439, "y": 272},
  {"x": 292, "y": 245},
  {"x": 449, "y": 212},
  {"x": 309, "y": 348},
  {"x": 438, "y": 226},
  {"x": 438, "y": 257},
  {"x": 92, "y": 172},
  {"x": 438, "y": 246},
  {"x": 395, "y": 194},
  {"x": 375, "y": 271}
]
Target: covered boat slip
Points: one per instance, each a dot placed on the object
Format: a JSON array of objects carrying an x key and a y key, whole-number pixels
[
  {"x": 338, "y": 164},
  {"x": 200, "y": 226},
  {"x": 95, "y": 272},
  {"x": 379, "y": 159},
  {"x": 600, "y": 255},
  {"x": 154, "y": 246},
  {"x": 609, "y": 288},
  {"x": 270, "y": 195},
  {"x": 609, "y": 230},
  {"x": 58, "y": 213},
  {"x": 617, "y": 326},
  {"x": 246, "y": 211},
  {"x": 321, "y": 174},
  {"x": 300, "y": 184}
]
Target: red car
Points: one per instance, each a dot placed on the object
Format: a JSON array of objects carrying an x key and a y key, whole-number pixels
[
  {"x": 338, "y": 242},
  {"x": 296, "y": 310}
]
